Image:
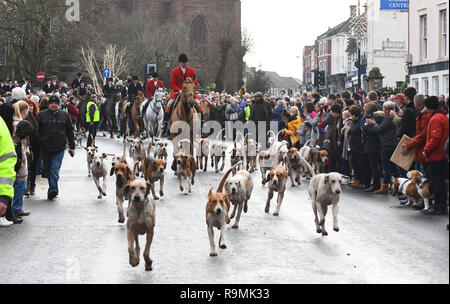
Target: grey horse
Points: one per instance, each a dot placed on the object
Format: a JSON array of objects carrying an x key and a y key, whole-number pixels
[{"x": 154, "y": 116}]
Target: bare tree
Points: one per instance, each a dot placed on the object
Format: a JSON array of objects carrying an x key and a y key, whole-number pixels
[
  {"x": 114, "y": 60},
  {"x": 90, "y": 65}
]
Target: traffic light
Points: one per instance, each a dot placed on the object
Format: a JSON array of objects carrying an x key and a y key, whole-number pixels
[
  {"x": 321, "y": 78},
  {"x": 316, "y": 78}
]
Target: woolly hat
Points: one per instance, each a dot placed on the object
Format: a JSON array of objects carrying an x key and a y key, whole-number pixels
[
  {"x": 54, "y": 99},
  {"x": 18, "y": 94},
  {"x": 34, "y": 98}
]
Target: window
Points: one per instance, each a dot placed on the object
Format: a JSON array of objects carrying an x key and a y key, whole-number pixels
[
  {"x": 425, "y": 87},
  {"x": 415, "y": 83},
  {"x": 444, "y": 32},
  {"x": 424, "y": 37},
  {"x": 436, "y": 86},
  {"x": 198, "y": 30},
  {"x": 446, "y": 84}
]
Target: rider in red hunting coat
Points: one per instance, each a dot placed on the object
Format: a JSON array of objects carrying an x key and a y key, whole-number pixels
[
  {"x": 150, "y": 89},
  {"x": 152, "y": 85},
  {"x": 176, "y": 83}
]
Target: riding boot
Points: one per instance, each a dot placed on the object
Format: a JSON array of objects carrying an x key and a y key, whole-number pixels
[
  {"x": 165, "y": 126},
  {"x": 144, "y": 109}
]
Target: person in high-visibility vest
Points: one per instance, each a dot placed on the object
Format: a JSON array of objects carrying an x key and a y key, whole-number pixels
[
  {"x": 92, "y": 119},
  {"x": 8, "y": 160}
]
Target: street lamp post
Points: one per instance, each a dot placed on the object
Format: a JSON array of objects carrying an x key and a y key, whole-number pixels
[{"x": 168, "y": 63}]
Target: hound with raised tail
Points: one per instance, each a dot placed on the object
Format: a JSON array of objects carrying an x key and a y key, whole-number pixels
[
  {"x": 161, "y": 150},
  {"x": 266, "y": 163},
  {"x": 141, "y": 221},
  {"x": 137, "y": 153},
  {"x": 251, "y": 150},
  {"x": 123, "y": 159},
  {"x": 185, "y": 167},
  {"x": 239, "y": 189},
  {"x": 154, "y": 170},
  {"x": 99, "y": 170},
  {"x": 294, "y": 163},
  {"x": 123, "y": 177},
  {"x": 218, "y": 152},
  {"x": 91, "y": 151},
  {"x": 201, "y": 146},
  {"x": 217, "y": 210}
]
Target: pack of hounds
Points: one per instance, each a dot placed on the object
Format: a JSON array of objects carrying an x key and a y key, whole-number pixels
[{"x": 138, "y": 172}]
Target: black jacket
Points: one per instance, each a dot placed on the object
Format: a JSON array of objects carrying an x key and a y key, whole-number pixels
[
  {"x": 387, "y": 132},
  {"x": 355, "y": 134},
  {"x": 48, "y": 89},
  {"x": 76, "y": 83},
  {"x": 261, "y": 111},
  {"x": 133, "y": 90},
  {"x": 108, "y": 90},
  {"x": 408, "y": 124},
  {"x": 55, "y": 129}
]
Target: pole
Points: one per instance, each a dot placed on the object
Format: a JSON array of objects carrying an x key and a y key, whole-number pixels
[{"x": 359, "y": 47}]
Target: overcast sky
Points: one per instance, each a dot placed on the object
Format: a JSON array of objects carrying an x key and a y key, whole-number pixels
[{"x": 280, "y": 29}]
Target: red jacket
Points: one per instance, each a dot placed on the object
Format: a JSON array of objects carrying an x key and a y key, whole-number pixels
[
  {"x": 437, "y": 136},
  {"x": 73, "y": 111},
  {"x": 420, "y": 140},
  {"x": 177, "y": 80},
  {"x": 150, "y": 88}
]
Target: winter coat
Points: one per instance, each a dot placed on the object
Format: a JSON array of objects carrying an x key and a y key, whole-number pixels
[
  {"x": 218, "y": 113},
  {"x": 387, "y": 132},
  {"x": 73, "y": 111},
  {"x": 230, "y": 109},
  {"x": 370, "y": 140},
  {"x": 420, "y": 140},
  {"x": 408, "y": 124},
  {"x": 261, "y": 111},
  {"x": 133, "y": 90},
  {"x": 437, "y": 136},
  {"x": 332, "y": 133},
  {"x": 277, "y": 115},
  {"x": 312, "y": 134},
  {"x": 292, "y": 125},
  {"x": 55, "y": 129},
  {"x": 355, "y": 136}
]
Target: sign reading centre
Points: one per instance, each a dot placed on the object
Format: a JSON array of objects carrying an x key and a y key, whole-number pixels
[{"x": 394, "y": 5}]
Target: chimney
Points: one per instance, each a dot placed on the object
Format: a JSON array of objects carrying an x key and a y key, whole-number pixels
[{"x": 353, "y": 11}]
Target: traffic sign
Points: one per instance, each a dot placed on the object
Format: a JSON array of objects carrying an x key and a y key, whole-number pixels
[
  {"x": 40, "y": 76},
  {"x": 106, "y": 73}
]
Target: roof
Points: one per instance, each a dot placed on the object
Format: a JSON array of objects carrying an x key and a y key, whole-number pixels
[
  {"x": 340, "y": 28},
  {"x": 279, "y": 82}
]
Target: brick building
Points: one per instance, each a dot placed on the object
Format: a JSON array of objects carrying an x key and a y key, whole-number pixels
[
  {"x": 309, "y": 64},
  {"x": 209, "y": 23}
]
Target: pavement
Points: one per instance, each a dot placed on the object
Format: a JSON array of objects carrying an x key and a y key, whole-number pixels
[{"x": 77, "y": 239}]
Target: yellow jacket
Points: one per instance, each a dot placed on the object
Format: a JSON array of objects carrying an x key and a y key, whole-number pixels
[
  {"x": 292, "y": 127},
  {"x": 8, "y": 160}
]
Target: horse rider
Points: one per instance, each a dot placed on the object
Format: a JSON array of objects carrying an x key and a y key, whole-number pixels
[
  {"x": 82, "y": 91},
  {"x": 92, "y": 118},
  {"x": 150, "y": 90},
  {"x": 176, "y": 83},
  {"x": 108, "y": 89}
]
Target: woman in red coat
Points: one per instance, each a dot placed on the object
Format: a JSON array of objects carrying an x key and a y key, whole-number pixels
[
  {"x": 435, "y": 157},
  {"x": 73, "y": 111}
]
